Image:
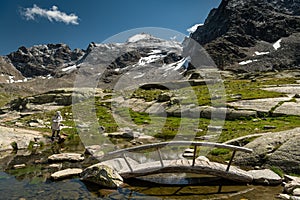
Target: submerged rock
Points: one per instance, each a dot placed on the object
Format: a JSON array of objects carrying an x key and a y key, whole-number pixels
[{"x": 102, "y": 175}]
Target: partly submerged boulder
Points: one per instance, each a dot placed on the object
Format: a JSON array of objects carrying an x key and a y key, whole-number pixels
[
  {"x": 73, "y": 157},
  {"x": 102, "y": 175},
  {"x": 265, "y": 177},
  {"x": 66, "y": 173}
]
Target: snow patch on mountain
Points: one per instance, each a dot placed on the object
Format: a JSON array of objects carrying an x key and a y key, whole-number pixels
[
  {"x": 193, "y": 28},
  {"x": 149, "y": 59},
  {"x": 70, "y": 68},
  {"x": 177, "y": 65},
  {"x": 277, "y": 45},
  {"x": 11, "y": 79},
  {"x": 138, "y": 37},
  {"x": 261, "y": 53},
  {"x": 247, "y": 62}
]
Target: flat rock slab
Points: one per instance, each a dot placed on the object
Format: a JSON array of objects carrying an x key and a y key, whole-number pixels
[
  {"x": 21, "y": 137},
  {"x": 289, "y": 108},
  {"x": 66, "y": 173},
  {"x": 265, "y": 177},
  {"x": 288, "y": 89},
  {"x": 262, "y": 105},
  {"x": 73, "y": 157}
]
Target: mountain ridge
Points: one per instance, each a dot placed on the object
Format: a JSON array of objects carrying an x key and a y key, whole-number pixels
[
  {"x": 236, "y": 29},
  {"x": 241, "y": 36}
]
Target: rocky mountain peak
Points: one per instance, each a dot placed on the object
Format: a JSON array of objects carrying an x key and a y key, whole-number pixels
[
  {"x": 238, "y": 25},
  {"x": 141, "y": 36},
  {"x": 42, "y": 60},
  {"x": 141, "y": 55}
]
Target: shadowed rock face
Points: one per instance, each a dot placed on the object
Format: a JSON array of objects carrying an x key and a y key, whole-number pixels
[{"x": 231, "y": 30}]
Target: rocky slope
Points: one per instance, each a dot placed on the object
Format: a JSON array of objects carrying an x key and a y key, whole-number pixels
[
  {"x": 252, "y": 35},
  {"x": 143, "y": 58},
  {"x": 43, "y": 60}
]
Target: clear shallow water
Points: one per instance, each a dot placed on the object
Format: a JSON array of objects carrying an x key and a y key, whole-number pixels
[
  {"x": 33, "y": 182},
  {"x": 12, "y": 189}
]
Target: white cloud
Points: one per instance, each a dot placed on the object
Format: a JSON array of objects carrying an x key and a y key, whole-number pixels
[
  {"x": 52, "y": 14},
  {"x": 193, "y": 28}
]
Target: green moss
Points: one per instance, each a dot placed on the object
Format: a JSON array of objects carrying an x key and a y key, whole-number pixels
[
  {"x": 27, "y": 171},
  {"x": 14, "y": 145},
  {"x": 218, "y": 152},
  {"x": 238, "y": 128},
  {"x": 277, "y": 170},
  {"x": 5, "y": 98},
  {"x": 30, "y": 146},
  {"x": 147, "y": 95}
]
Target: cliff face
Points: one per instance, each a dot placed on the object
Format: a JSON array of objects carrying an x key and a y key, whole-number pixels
[{"x": 237, "y": 29}]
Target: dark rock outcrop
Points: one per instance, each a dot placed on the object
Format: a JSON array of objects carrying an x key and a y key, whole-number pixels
[
  {"x": 42, "y": 60},
  {"x": 238, "y": 28},
  {"x": 8, "y": 72}
]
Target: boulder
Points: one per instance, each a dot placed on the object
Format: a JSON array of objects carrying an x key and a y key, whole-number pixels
[
  {"x": 296, "y": 192},
  {"x": 280, "y": 149},
  {"x": 286, "y": 156},
  {"x": 102, "y": 175},
  {"x": 66, "y": 173},
  {"x": 73, "y": 157},
  {"x": 265, "y": 177},
  {"x": 291, "y": 186},
  {"x": 283, "y": 196}
]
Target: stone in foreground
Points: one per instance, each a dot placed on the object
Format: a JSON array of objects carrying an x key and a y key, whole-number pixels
[
  {"x": 265, "y": 177},
  {"x": 102, "y": 175},
  {"x": 66, "y": 173},
  {"x": 73, "y": 157}
]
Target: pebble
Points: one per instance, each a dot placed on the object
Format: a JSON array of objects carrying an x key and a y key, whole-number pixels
[{"x": 19, "y": 166}]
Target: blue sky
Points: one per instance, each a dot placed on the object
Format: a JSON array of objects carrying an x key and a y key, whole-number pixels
[{"x": 78, "y": 22}]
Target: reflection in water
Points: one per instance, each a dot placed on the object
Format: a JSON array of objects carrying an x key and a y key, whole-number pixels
[
  {"x": 33, "y": 182},
  {"x": 11, "y": 188}
]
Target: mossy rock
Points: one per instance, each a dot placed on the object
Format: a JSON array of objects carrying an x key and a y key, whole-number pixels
[{"x": 102, "y": 175}]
